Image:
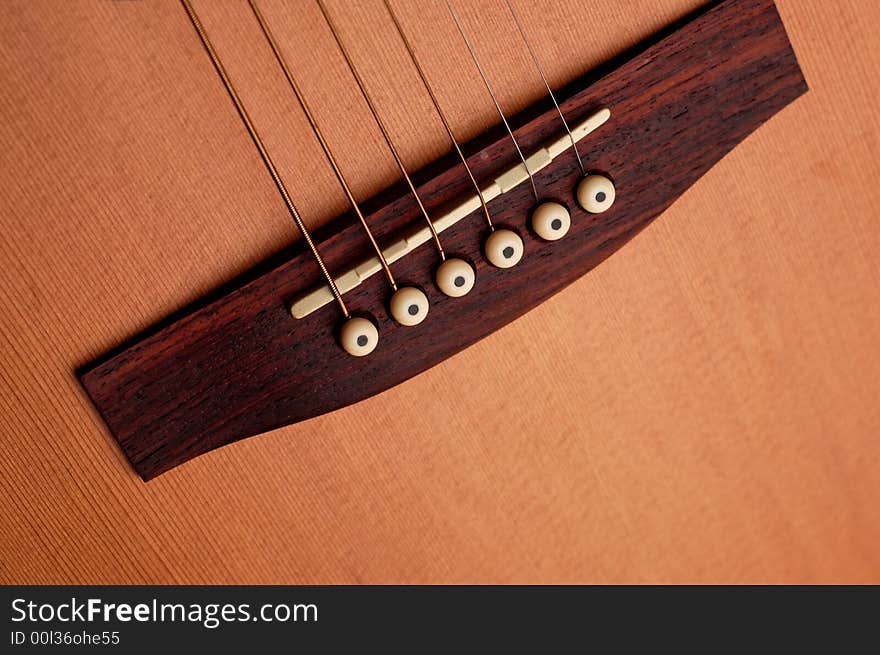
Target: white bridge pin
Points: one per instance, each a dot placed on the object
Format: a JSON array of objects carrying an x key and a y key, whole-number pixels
[
  {"x": 455, "y": 277},
  {"x": 504, "y": 248},
  {"x": 596, "y": 193},
  {"x": 359, "y": 336},
  {"x": 409, "y": 306},
  {"x": 551, "y": 221}
]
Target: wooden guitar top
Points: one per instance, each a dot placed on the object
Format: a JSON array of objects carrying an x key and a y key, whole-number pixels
[{"x": 701, "y": 407}]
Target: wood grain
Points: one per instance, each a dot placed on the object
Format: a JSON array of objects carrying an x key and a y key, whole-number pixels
[
  {"x": 240, "y": 365},
  {"x": 701, "y": 407}
]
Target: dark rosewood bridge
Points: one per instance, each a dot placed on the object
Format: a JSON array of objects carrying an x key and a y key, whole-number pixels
[{"x": 238, "y": 363}]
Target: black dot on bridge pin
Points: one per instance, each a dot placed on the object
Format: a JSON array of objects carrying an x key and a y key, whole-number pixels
[
  {"x": 508, "y": 252},
  {"x": 413, "y": 310},
  {"x": 362, "y": 341},
  {"x": 600, "y": 197},
  {"x": 459, "y": 281}
]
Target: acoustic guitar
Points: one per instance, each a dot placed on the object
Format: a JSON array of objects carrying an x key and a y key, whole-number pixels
[{"x": 395, "y": 291}]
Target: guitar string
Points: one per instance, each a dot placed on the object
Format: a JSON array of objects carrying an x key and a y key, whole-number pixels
[
  {"x": 540, "y": 68},
  {"x": 264, "y": 154},
  {"x": 440, "y": 111},
  {"x": 382, "y": 128},
  {"x": 267, "y": 33},
  {"x": 494, "y": 98}
]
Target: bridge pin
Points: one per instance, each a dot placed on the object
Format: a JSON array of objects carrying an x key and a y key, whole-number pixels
[
  {"x": 504, "y": 248},
  {"x": 359, "y": 336},
  {"x": 596, "y": 193},
  {"x": 551, "y": 221},
  {"x": 455, "y": 277},
  {"x": 409, "y": 306}
]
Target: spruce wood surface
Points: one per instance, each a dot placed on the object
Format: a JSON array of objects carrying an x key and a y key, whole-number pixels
[
  {"x": 239, "y": 365},
  {"x": 700, "y": 407}
]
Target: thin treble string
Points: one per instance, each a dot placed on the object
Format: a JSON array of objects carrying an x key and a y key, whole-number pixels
[
  {"x": 492, "y": 94},
  {"x": 324, "y": 145},
  {"x": 540, "y": 68},
  {"x": 382, "y": 128},
  {"x": 264, "y": 154},
  {"x": 440, "y": 111}
]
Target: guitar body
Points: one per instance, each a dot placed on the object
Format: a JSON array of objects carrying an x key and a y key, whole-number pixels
[{"x": 700, "y": 407}]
